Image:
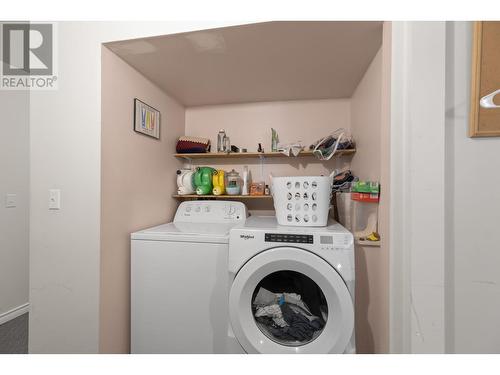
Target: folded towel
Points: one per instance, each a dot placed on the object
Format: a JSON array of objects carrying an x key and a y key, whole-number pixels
[{"x": 190, "y": 145}]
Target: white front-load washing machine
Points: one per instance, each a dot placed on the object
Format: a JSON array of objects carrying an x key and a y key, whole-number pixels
[
  {"x": 179, "y": 280},
  {"x": 291, "y": 289}
]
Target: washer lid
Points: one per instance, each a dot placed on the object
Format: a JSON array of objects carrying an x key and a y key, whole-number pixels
[
  {"x": 183, "y": 231},
  {"x": 339, "y": 326}
]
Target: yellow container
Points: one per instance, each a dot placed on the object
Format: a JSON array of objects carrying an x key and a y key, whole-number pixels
[{"x": 218, "y": 182}]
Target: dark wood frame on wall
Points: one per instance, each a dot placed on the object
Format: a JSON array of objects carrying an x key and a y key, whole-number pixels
[{"x": 475, "y": 125}]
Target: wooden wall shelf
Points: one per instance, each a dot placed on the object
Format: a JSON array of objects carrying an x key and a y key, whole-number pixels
[
  {"x": 240, "y": 155},
  {"x": 195, "y": 196},
  {"x": 367, "y": 243}
]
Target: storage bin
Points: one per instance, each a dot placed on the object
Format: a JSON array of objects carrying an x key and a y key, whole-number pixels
[{"x": 302, "y": 201}]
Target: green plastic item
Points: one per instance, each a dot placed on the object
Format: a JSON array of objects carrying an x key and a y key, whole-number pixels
[
  {"x": 370, "y": 187},
  {"x": 203, "y": 180}
]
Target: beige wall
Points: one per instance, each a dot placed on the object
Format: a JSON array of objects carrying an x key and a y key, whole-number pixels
[
  {"x": 383, "y": 341},
  {"x": 249, "y": 124},
  {"x": 14, "y": 221},
  {"x": 472, "y": 215},
  {"x": 371, "y": 262},
  {"x": 137, "y": 175}
]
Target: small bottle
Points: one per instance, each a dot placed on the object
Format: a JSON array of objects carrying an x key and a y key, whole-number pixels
[
  {"x": 266, "y": 190},
  {"x": 221, "y": 137}
]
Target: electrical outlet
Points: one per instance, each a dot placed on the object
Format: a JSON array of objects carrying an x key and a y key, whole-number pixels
[
  {"x": 11, "y": 200},
  {"x": 54, "y": 199}
]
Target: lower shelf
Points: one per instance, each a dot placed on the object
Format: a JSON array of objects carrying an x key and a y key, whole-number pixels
[
  {"x": 367, "y": 243},
  {"x": 195, "y": 196}
]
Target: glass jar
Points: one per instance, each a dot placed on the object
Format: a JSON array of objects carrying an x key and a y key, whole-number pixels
[{"x": 233, "y": 183}]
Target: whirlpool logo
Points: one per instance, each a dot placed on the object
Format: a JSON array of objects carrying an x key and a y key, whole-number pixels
[{"x": 247, "y": 236}]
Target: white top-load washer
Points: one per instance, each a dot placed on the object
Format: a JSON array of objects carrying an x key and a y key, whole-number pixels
[
  {"x": 279, "y": 263},
  {"x": 179, "y": 280}
]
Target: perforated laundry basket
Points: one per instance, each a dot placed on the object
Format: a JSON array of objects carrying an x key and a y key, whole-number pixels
[{"x": 302, "y": 201}]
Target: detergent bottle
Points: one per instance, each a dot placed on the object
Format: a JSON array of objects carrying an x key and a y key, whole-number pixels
[
  {"x": 185, "y": 181},
  {"x": 203, "y": 180},
  {"x": 218, "y": 182}
]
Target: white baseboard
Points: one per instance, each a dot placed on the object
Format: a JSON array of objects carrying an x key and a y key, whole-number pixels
[{"x": 14, "y": 313}]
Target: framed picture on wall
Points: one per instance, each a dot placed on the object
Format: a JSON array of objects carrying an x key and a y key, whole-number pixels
[
  {"x": 146, "y": 119},
  {"x": 485, "y": 83}
]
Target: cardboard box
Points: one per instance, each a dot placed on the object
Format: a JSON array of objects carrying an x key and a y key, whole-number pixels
[{"x": 365, "y": 197}]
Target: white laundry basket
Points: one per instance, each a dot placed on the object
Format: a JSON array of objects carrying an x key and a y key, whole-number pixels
[{"x": 302, "y": 201}]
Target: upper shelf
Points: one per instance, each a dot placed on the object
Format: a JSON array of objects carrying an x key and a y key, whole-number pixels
[{"x": 237, "y": 155}]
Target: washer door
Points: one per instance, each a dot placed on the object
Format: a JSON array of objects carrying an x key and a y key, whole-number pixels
[{"x": 339, "y": 322}]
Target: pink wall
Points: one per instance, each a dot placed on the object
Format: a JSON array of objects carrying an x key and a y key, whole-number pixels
[
  {"x": 134, "y": 197},
  {"x": 249, "y": 124},
  {"x": 365, "y": 121},
  {"x": 137, "y": 180},
  {"x": 372, "y": 288}
]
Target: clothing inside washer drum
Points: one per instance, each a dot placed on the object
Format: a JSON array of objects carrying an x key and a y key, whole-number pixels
[{"x": 283, "y": 315}]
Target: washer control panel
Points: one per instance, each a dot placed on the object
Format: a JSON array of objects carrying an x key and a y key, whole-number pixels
[
  {"x": 289, "y": 238},
  {"x": 336, "y": 241},
  {"x": 211, "y": 212}
]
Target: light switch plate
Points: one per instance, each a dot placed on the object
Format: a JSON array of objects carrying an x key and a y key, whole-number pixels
[
  {"x": 11, "y": 200},
  {"x": 54, "y": 199}
]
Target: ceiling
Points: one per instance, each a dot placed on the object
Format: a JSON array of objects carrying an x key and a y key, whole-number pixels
[{"x": 272, "y": 61}]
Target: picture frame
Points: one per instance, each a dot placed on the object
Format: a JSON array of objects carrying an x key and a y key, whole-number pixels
[
  {"x": 485, "y": 80},
  {"x": 147, "y": 119}
]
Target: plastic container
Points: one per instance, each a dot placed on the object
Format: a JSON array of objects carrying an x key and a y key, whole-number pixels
[
  {"x": 218, "y": 182},
  {"x": 245, "y": 188},
  {"x": 302, "y": 201},
  {"x": 185, "y": 183},
  {"x": 257, "y": 188}
]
